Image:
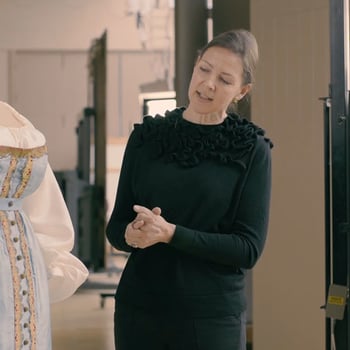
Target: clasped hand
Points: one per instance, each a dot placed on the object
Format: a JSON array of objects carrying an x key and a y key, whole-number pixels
[{"x": 148, "y": 228}]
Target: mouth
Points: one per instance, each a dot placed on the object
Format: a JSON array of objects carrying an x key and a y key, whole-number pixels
[{"x": 203, "y": 96}]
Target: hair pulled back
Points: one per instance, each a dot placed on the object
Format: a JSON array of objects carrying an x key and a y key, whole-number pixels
[{"x": 242, "y": 43}]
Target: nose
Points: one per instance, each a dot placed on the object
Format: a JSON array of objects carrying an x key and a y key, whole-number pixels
[{"x": 210, "y": 83}]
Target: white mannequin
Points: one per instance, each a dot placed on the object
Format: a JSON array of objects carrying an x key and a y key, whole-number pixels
[
  {"x": 39, "y": 229},
  {"x": 50, "y": 219},
  {"x": 8, "y": 118}
]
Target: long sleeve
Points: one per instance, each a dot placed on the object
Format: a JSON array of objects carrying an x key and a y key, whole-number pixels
[
  {"x": 122, "y": 212},
  {"x": 243, "y": 246},
  {"x": 51, "y": 223}
]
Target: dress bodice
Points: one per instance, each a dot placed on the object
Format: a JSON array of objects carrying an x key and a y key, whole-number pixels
[
  {"x": 23, "y": 158},
  {"x": 21, "y": 170}
]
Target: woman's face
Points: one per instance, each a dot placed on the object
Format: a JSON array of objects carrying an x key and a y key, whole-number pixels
[{"x": 217, "y": 80}]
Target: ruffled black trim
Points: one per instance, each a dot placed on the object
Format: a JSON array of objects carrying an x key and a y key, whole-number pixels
[{"x": 177, "y": 140}]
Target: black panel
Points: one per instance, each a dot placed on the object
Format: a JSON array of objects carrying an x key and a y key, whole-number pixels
[
  {"x": 190, "y": 35},
  {"x": 230, "y": 14}
]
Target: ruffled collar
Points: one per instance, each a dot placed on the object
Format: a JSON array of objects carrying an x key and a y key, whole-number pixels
[{"x": 176, "y": 139}]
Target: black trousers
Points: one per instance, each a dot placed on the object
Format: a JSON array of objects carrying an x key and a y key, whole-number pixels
[{"x": 135, "y": 329}]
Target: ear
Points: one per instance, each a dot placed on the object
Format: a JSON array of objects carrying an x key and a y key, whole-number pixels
[{"x": 244, "y": 91}]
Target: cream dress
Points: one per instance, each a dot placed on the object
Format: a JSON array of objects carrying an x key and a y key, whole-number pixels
[{"x": 36, "y": 237}]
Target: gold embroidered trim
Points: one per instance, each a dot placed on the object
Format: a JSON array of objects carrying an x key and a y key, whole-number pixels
[
  {"x": 7, "y": 181},
  {"x": 29, "y": 276},
  {"x": 15, "y": 279},
  {"x": 35, "y": 152},
  {"x": 27, "y": 171}
]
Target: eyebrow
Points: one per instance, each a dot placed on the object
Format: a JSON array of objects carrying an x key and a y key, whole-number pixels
[{"x": 224, "y": 73}]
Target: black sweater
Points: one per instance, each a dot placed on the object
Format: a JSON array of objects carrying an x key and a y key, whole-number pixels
[{"x": 213, "y": 182}]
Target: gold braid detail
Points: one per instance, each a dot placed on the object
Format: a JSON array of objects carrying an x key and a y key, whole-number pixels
[
  {"x": 35, "y": 152},
  {"x": 15, "y": 279},
  {"x": 7, "y": 181},
  {"x": 29, "y": 276}
]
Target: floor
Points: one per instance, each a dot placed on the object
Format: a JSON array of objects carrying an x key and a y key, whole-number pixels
[
  {"x": 85, "y": 320},
  {"x": 80, "y": 323}
]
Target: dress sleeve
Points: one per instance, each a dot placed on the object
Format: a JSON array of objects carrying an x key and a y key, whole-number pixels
[
  {"x": 50, "y": 219},
  {"x": 244, "y": 244},
  {"x": 123, "y": 212}
]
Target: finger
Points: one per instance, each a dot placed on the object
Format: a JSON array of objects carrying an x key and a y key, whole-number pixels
[
  {"x": 130, "y": 232},
  {"x": 142, "y": 210},
  {"x": 144, "y": 217},
  {"x": 137, "y": 224},
  {"x": 157, "y": 211}
]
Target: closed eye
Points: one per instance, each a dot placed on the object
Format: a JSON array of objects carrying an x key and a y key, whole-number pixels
[
  {"x": 225, "y": 81},
  {"x": 203, "y": 69}
]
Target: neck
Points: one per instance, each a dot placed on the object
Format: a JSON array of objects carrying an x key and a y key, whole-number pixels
[{"x": 203, "y": 119}]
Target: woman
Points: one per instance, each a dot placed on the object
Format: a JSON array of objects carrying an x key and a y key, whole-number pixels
[
  {"x": 192, "y": 207},
  {"x": 36, "y": 237}
]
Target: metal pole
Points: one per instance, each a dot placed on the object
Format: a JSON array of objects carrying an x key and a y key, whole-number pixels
[
  {"x": 340, "y": 174},
  {"x": 327, "y": 191}
]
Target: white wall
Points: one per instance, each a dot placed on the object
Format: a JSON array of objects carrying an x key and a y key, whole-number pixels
[
  {"x": 289, "y": 281},
  {"x": 44, "y": 65},
  {"x": 65, "y": 24}
]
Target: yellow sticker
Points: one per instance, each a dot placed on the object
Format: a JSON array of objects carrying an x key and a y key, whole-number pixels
[{"x": 336, "y": 300}]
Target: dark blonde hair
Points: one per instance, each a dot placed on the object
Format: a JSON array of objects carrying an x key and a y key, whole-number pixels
[{"x": 242, "y": 43}]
